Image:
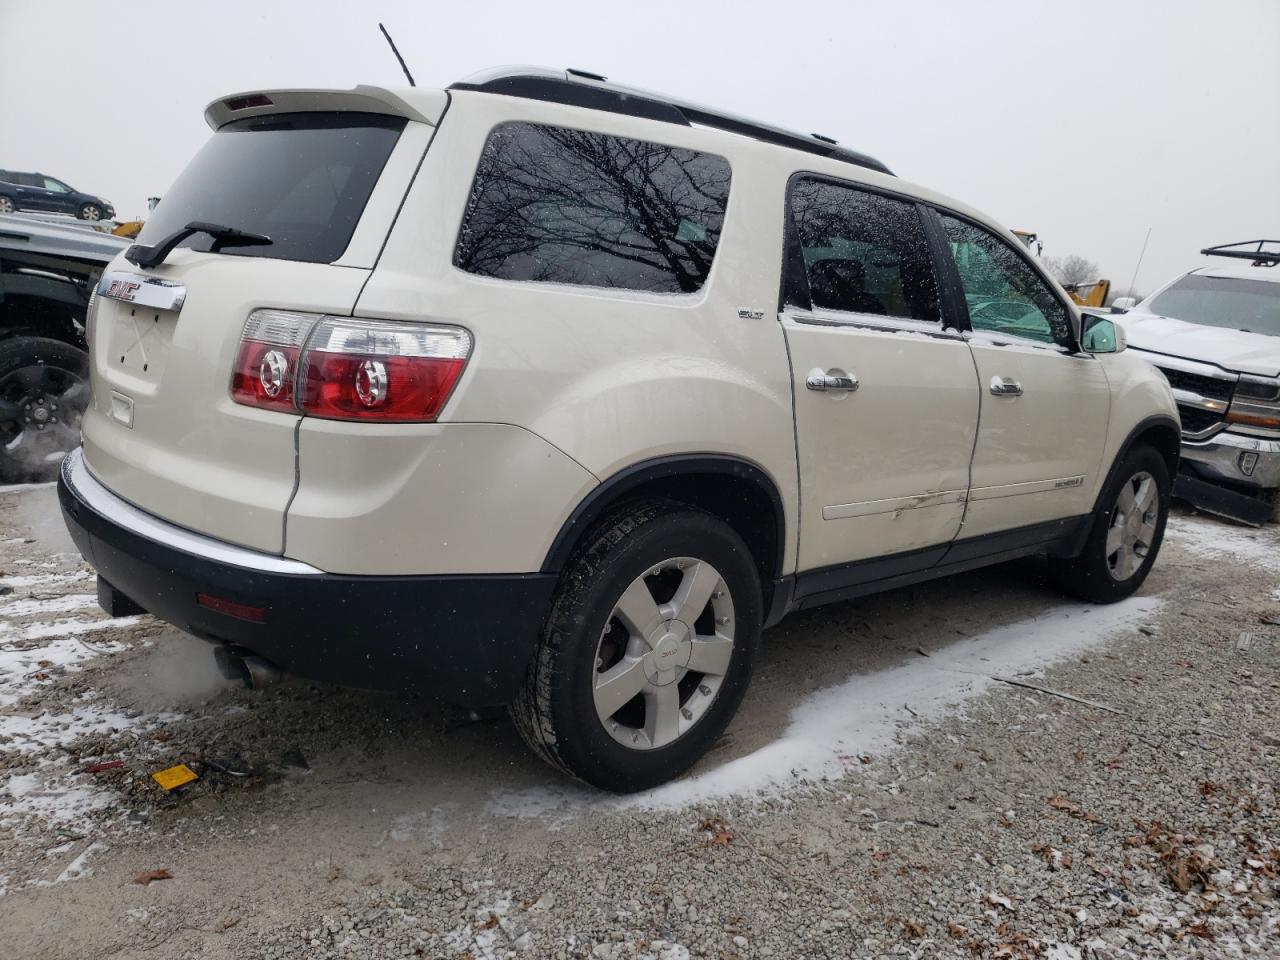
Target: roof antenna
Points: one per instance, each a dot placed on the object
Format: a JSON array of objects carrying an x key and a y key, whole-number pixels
[
  {"x": 407, "y": 74},
  {"x": 1136, "y": 266}
]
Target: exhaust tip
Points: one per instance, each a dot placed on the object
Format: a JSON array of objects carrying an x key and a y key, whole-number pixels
[{"x": 253, "y": 671}]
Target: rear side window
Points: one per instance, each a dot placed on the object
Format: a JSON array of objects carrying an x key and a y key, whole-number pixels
[
  {"x": 557, "y": 205},
  {"x": 863, "y": 252},
  {"x": 302, "y": 179}
]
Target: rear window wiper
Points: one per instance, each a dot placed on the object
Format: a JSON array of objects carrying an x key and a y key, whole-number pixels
[{"x": 153, "y": 256}]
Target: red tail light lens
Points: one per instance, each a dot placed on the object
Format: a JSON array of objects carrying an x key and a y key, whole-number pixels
[
  {"x": 343, "y": 368},
  {"x": 266, "y": 366},
  {"x": 384, "y": 371}
]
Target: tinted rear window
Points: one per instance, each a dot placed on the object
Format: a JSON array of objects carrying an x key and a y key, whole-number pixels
[
  {"x": 573, "y": 206},
  {"x": 302, "y": 179}
]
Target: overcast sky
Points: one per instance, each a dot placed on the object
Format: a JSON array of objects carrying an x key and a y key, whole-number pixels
[{"x": 1086, "y": 121}]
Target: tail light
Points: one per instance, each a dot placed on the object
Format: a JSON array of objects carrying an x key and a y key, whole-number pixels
[
  {"x": 343, "y": 368},
  {"x": 267, "y": 363}
]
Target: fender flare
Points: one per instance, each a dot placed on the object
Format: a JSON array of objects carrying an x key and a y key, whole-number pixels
[{"x": 600, "y": 499}]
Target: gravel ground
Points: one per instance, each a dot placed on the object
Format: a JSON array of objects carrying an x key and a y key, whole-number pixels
[{"x": 879, "y": 795}]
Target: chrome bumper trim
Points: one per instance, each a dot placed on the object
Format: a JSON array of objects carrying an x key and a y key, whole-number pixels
[
  {"x": 87, "y": 489},
  {"x": 1221, "y": 457}
]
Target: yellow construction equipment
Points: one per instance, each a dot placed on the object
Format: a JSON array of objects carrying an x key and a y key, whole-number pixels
[{"x": 1092, "y": 293}]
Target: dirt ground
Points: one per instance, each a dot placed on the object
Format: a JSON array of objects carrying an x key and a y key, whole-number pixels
[{"x": 973, "y": 767}]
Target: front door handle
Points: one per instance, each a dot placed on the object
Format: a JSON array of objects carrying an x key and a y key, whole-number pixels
[
  {"x": 833, "y": 381},
  {"x": 1004, "y": 387}
]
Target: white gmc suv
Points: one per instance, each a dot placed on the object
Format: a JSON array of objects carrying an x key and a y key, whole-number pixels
[{"x": 543, "y": 392}]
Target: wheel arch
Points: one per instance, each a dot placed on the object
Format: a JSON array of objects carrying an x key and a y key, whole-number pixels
[
  {"x": 1161, "y": 432},
  {"x": 734, "y": 489}
]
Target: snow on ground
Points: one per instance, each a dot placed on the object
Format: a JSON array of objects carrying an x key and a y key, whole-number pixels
[
  {"x": 864, "y": 714},
  {"x": 1216, "y": 540}
]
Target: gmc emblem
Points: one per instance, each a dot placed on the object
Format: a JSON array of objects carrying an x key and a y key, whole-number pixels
[{"x": 122, "y": 290}]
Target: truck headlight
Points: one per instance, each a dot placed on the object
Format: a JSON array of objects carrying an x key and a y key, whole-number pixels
[{"x": 1256, "y": 402}]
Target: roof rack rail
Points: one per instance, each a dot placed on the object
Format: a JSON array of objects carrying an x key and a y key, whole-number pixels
[
  {"x": 1259, "y": 256},
  {"x": 581, "y": 89}
]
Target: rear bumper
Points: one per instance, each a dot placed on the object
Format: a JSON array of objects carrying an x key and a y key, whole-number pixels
[{"x": 465, "y": 639}]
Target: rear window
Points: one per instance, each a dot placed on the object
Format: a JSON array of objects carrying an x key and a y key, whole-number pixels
[
  {"x": 557, "y": 205},
  {"x": 1231, "y": 302},
  {"x": 302, "y": 179}
]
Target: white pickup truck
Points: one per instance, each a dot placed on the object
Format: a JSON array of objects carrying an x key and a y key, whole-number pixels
[{"x": 1215, "y": 334}]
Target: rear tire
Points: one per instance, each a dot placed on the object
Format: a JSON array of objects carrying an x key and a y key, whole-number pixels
[
  {"x": 1127, "y": 532},
  {"x": 7, "y": 205},
  {"x": 615, "y": 696}
]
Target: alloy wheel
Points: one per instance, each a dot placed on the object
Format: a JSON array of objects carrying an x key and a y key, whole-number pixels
[
  {"x": 40, "y": 409},
  {"x": 664, "y": 653},
  {"x": 1134, "y": 521},
  {"x": 6, "y": 205}
]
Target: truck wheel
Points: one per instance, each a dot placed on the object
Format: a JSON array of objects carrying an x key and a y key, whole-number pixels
[
  {"x": 647, "y": 650},
  {"x": 1126, "y": 534},
  {"x": 44, "y": 389}
]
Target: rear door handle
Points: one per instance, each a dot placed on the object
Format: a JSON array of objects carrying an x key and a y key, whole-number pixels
[
  {"x": 1004, "y": 387},
  {"x": 830, "y": 382}
]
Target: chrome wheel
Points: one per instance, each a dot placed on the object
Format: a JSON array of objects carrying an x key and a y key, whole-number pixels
[
  {"x": 664, "y": 653},
  {"x": 6, "y": 205},
  {"x": 1134, "y": 521},
  {"x": 91, "y": 212}
]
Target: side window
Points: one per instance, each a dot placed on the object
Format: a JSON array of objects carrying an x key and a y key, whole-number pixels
[
  {"x": 57, "y": 186},
  {"x": 863, "y": 252},
  {"x": 1003, "y": 293},
  {"x": 557, "y": 205}
]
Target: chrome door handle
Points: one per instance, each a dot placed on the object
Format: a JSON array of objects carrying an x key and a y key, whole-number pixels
[
  {"x": 823, "y": 382},
  {"x": 1004, "y": 387}
]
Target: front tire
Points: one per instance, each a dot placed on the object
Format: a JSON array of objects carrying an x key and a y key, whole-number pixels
[
  {"x": 44, "y": 389},
  {"x": 7, "y": 205},
  {"x": 1127, "y": 532},
  {"x": 90, "y": 212},
  {"x": 648, "y": 648}
]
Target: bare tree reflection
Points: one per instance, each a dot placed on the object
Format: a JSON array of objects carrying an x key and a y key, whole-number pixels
[{"x": 573, "y": 206}]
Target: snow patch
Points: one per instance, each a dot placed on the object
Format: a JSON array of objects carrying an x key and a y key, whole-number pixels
[
  {"x": 29, "y": 606},
  {"x": 864, "y": 714},
  {"x": 1215, "y": 540},
  {"x": 51, "y": 797}
]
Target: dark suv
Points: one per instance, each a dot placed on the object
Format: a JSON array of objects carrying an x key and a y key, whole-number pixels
[{"x": 35, "y": 191}]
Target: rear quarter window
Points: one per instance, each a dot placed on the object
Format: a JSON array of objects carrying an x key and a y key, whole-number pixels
[{"x": 558, "y": 205}]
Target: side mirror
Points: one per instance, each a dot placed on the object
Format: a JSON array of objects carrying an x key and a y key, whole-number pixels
[
  {"x": 1101, "y": 335},
  {"x": 1121, "y": 304}
]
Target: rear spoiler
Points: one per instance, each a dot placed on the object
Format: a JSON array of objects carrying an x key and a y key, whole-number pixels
[
  {"x": 1259, "y": 256},
  {"x": 424, "y": 106}
]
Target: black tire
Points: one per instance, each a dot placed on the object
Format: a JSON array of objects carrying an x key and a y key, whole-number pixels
[
  {"x": 1090, "y": 575},
  {"x": 556, "y": 712},
  {"x": 90, "y": 211},
  {"x": 32, "y": 366},
  {"x": 7, "y": 204}
]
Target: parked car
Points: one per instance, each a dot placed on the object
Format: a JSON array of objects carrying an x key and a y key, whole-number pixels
[
  {"x": 550, "y": 393},
  {"x": 37, "y": 191},
  {"x": 48, "y": 273},
  {"x": 1215, "y": 333}
]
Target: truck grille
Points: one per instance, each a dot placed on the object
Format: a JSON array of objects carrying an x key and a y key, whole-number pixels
[
  {"x": 1196, "y": 420},
  {"x": 1210, "y": 387}
]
